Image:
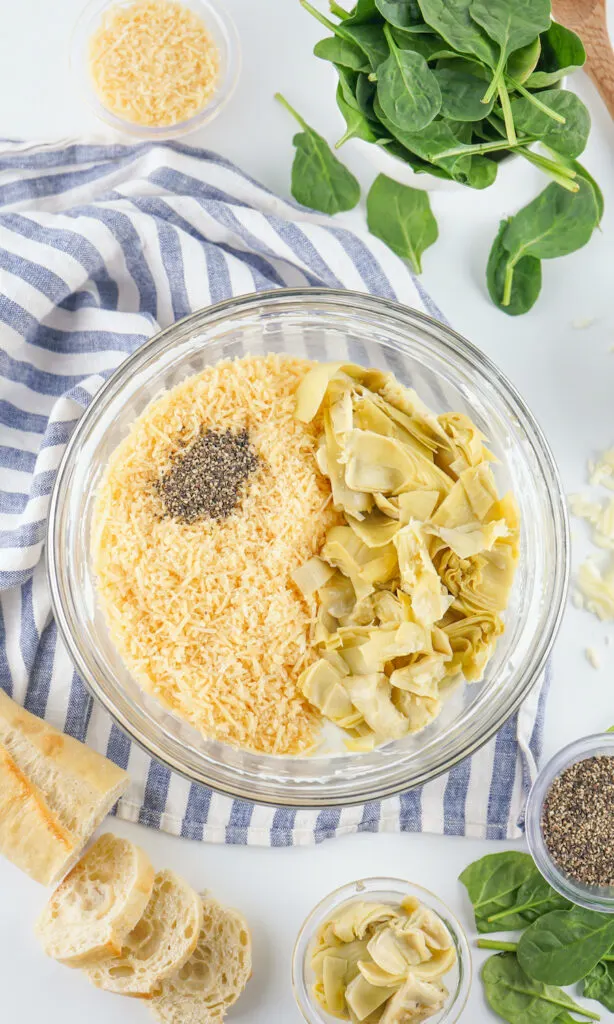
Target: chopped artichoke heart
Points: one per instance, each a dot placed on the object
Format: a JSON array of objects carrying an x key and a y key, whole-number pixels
[
  {"x": 370, "y": 694},
  {"x": 386, "y": 951},
  {"x": 422, "y": 677},
  {"x": 415, "y": 1001},
  {"x": 417, "y": 505},
  {"x": 342, "y": 416},
  {"x": 352, "y": 502},
  {"x": 470, "y": 539},
  {"x": 378, "y": 977},
  {"x": 364, "y": 999},
  {"x": 311, "y": 391},
  {"x": 375, "y": 530},
  {"x": 376, "y": 463},
  {"x": 480, "y": 488},
  {"x": 419, "y": 578},
  {"x": 311, "y": 575},
  {"x": 417, "y": 710},
  {"x": 334, "y": 969},
  {"x": 353, "y": 922}
]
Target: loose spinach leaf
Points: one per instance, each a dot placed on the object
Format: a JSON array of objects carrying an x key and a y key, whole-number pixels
[
  {"x": 516, "y": 997},
  {"x": 402, "y": 218},
  {"x": 407, "y": 89},
  {"x": 341, "y": 51},
  {"x": 521, "y": 63},
  {"x": 563, "y": 946},
  {"x": 554, "y": 224},
  {"x": 319, "y": 179},
  {"x": 534, "y": 897},
  {"x": 357, "y": 125},
  {"x": 510, "y": 25},
  {"x": 452, "y": 20},
  {"x": 599, "y": 984},
  {"x": 569, "y": 138},
  {"x": 402, "y": 13},
  {"x": 562, "y": 53},
  {"x": 493, "y": 882},
  {"x": 461, "y": 93}
]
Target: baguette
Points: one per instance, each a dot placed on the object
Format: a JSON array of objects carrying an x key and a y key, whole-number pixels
[
  {"x": 78, "y": 785},
  {"x": 159, "y": 945},
  {"x": 215, "y": 975},
  {"x": 91, "y": 913},
  {"x": 31, "y": 836}
]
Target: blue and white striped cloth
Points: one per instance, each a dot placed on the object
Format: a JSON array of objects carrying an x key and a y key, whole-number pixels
[{"x": 100, "y": 247}]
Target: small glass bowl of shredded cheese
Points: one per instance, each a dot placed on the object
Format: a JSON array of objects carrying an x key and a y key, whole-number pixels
[
  {"x": 361, "y": 932},
  {"x": 155, "y": 69}
]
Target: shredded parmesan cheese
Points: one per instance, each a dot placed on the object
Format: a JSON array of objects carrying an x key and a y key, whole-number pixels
[
  {"x": 206, "y": 615},
  {"x": 153, "y": 62}
]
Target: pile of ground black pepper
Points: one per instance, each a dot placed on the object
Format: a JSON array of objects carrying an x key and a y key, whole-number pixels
[
  {"x": 205, "y": 480},
  {"x": 578, "y": 821}
]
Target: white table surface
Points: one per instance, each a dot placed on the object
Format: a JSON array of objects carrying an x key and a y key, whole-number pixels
[{"x": 565, "y": 373}]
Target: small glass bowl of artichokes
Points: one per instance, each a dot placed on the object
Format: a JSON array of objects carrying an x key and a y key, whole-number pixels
[{"x": 381, "y": 950}]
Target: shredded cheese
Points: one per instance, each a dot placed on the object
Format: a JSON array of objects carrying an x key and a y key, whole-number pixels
[
  {"x": 206, "y": 615},
  {"x": 153, "y": 62}
]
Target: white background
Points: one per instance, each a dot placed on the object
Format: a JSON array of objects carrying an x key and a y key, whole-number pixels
[{"x": 566, "y": 374}]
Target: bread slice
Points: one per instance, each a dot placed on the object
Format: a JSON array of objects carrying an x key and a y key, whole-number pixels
[
  {"x": 31, "y": 836},
  {"x": 78, "y": 785},
  {"x": 160, "y": 944},
  {"x": 93, "y": 910},
  {"x": 215, "y": 975}
]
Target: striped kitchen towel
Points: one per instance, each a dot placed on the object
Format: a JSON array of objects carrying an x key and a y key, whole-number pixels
[{"x": 101, "y": 246}]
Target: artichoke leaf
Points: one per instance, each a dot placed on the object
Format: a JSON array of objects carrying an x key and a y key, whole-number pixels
[
  {"x": 417, "y": 505},
  {"x": 334, "y": 970},
  {"x": 470, "y": 539},
  {"x": 419, "y": 578},
  {"x": 353, "y": 502},
  {"x": 422, "y": 677},
  {"x": 364, "y": 999},
  {"x": 378, "y": 977},
  {"x": 376, "y": 530},
  {"x": 312, "y": 389},
  {"x": 311, "y": 575},
  {"x": 370, "y": 694},
  {"x": 417, "y": 710},
  {"x": 357, "y": 917},
  {"x": 416, "y": 1000}
]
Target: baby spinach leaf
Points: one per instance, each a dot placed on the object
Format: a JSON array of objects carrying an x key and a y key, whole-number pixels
[
  {"x": 554, "y": 224},
  {"x": 347, "y": 81},
  {"x": 363, "y": 11},
  {"x": 492, "y": 883},
  {"x": 341, "y": 51},
  {"x": 599, "y": 984},
  {"x": 582, "y": 172},
  {"x": 407, "y": 89},
  {"x": 562, "y": 53},
  {"x": 534, "y": 897},
  {"x": 452, "y": 20},
  {"x": 522, "y": 62},
  {"x": 510, "y": 25},
  {"x": 357, "y": 125},
  {"x": 339, "y": 11},
  {"x": 516, "y": 997},
  {"x": 319, "y": 179},
  {"x": 372, "y": 42},
  {"x": 432, "y": 47},
  {"x": 402, "y": 218},
  {"x": 402, "y": 13},
  {"x": 569, "y": 138},
  {"x": 365, "y": 94},
  {"x": 461, "y": 93},
  {"x": 563, "y": 946}
]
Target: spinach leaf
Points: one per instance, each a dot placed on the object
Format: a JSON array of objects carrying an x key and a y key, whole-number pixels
[
  {"x": 319, "y": 179},
  {"x": 563, "y": 946},
  {"x": 554, "y": 224},
  {"x": 357, "y": 125},
  {"x": 402, "y": 13},
  {"x": 534, "y": 897},
  {"x": 372, "y": 42},
  {"x": 461, "y": 93},
  {"x": 569, "y": 138},
  {"x": 521, "y": 63},
  {"x": 493, "y": 882},
  {"x": 341, "y": 51},
  {"x": 582, "y": 172},
  {"x": 415, "y": 162},
  {"x": 339, "y": 11},
  {"x": 432, "y": 47},
  {"x": 363, "y": 11},
  {"x": 562, "y": 53},
  {"x": 365, "y": 94},
  {"x": 519, "y": 999},
  {"x": 402, "y": 218},
  {"x": 599, "y": 984},
  {"x": 347, "y": 81},
  {"x": 510, "y": 25},
  {"x": 407, "y": 89},
  {"x": 452, "y": 20}
]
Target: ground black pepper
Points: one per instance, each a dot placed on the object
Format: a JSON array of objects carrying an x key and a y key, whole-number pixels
[
  {"x": 206, "y": 479},
  {"x": 578, "y": 821}
]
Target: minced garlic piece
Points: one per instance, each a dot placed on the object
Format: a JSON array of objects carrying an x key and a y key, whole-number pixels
[
  {"x": 153, "y": 62},
  {"x": 592, "y": 657}
]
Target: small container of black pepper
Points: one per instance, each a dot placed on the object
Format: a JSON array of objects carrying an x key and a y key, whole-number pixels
[{"x": 570, "y": 822}]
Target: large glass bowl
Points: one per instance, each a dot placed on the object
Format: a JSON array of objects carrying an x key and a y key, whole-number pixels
[{"x": 448, "y": 373}]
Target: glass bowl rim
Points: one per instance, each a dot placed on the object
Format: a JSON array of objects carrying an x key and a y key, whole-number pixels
[
  {"x": 352, "y": 890},
  {"x": 576, "y": 892},
  {"x": 169, "y": 750},
  {"x": 84, "y": 24}
]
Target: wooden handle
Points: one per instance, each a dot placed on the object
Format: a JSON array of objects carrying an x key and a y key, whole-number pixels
[{"x": 600, "y": 58}]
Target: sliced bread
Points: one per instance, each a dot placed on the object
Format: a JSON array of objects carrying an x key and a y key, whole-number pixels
[
  {"x": 31, "y": 835},
  {"x": 91, "y": 913},
  {"x": 215, "y": 975},
  {"x": 78, "y": 785},
  {"x": 160, "y": 944}
]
